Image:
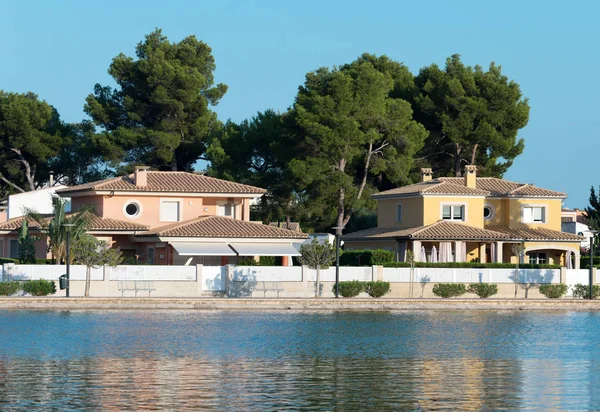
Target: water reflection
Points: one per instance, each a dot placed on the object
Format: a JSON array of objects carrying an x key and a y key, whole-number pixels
[{"x": 284, "y": 361}]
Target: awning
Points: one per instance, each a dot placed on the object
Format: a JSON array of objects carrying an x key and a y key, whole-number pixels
[
  {"x": 265, "y": 249},
  {"x": 202, "y": 249}
]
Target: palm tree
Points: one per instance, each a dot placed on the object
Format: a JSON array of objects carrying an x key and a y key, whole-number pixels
[{"x": 54, "y": 228}]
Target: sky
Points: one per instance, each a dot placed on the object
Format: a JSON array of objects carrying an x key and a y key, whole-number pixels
[{"x": 263, "y": 50}]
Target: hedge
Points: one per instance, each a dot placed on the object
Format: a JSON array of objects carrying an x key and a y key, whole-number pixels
[
  {"x": 350, "y": 289},
  {"x": 469, "y": 265},
  {"x": 9, "y": 288},
  {"x": 584, "y": 261},
  {"x": 449, "y": 290},
  {"x": 483, "y": 290},
  {"x": 554, "y": 291},
  {"x": 39, "y": 287},
  {"x": 4, "y": 260},
  {"x": 366, "y": 257}
]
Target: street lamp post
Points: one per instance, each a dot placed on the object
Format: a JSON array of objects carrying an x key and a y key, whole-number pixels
[
  {"x": 68, "y": 227},
  {"x": 338, "y": 231},
  {"x": 591, "y": 279}
]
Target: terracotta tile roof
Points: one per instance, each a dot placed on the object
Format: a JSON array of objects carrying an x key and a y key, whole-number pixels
[
  {"x": 284, "y": 225},
  {"x": 181, "y": 182},
  {"x": 97, "y": 223},
  {"x": 440, "y": 230},
  {"x": 217, "y": 226},
  {"x": 537, "y": 234},
  {"x": 432, "y": 187},
  {"x": 501, "y": 187},
  {"x": 15, "y": 224}
]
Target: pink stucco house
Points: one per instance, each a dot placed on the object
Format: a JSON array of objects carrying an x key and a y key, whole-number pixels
[{"x": 171, "y": 218}]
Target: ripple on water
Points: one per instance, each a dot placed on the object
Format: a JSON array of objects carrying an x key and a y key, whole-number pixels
[{"x": 312, "y": 361}]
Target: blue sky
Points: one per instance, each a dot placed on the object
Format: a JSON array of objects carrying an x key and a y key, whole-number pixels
[{"x": 263, "y": 49}]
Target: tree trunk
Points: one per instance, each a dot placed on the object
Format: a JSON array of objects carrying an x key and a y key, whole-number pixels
[
  {"x": 474, "y": 152},
  {"x": 88, "y": 278},
  {"x": 457, "y": 150},
  {"x": 317, "y": 283}
]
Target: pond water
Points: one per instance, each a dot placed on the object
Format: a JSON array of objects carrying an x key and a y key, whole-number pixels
[{"x": 430, "y": 360}]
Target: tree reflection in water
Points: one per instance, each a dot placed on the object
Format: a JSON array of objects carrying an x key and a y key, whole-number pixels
[{"x": 312, "y": 361}]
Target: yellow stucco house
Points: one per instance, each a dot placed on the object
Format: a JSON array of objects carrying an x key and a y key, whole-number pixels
[{"x": 470, "y": 218}]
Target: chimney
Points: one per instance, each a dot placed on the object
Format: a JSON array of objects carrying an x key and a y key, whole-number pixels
[
  {"x": 141, "y": 176},
  {"x": 426, "y": 174},
  {"x": 471, "y": 176}
]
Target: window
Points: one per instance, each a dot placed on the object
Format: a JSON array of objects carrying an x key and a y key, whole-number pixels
[
  {"x": 453, "y": 212},
  {"x": 487, "y": 212},
  {"x": 169, "y": 211},
  {"x": 226, "y": 209},
  {"x": 537, "y": 258},
  {"x": 534, "y": 214},
  {"x": 399, "y": 213},
  {"x": 566, "y": 219},
  {"x": 132, "y": 209},
  {"x": 14, "y": 249}
]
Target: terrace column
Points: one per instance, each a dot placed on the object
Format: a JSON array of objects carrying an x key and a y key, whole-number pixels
[
  {"x": 499, "y": 247},
  {"x": 482, "y": 256},
  {"x": 416, "y": 250}
]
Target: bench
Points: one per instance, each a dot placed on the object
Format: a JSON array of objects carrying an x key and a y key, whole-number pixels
[
  {"x": 136, "y": 286},
  {"x": 268, "y": 287}
]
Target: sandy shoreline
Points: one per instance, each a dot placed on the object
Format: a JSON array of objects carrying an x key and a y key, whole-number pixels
[{"x": 354, "y": 304}]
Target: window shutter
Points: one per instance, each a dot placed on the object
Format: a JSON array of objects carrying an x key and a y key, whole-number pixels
[
  {"x": 527, "y": 214},
  {"x": 169, "y": 211},
  {"x": 538, "y": 214}
]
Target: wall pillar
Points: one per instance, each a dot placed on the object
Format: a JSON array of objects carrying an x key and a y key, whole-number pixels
[
  {"x": 106, "y": 282},
  {"x": 305, "y": 272},
  {"x": 595, "y": 275},
  {"x": 577, "y": 257},
  {"x": 199, "y": 280},
  {"x": 563, "y": 274},
  {"x": 224, "y": 260},
  {"x": 285, "y": 261},
  {"x": 246, "y": 210}
]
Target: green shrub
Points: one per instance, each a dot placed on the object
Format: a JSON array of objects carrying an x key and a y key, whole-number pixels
[
  {"x": 248, "y": 261},
  {"x": 349, "y": 289},
  {"x": 267, "y": 261},
  {"x": 449, "y": 290},
  {"x": 8, "y": 260},
  {"x": 366, "y": 257},
  {"x": 554, "y": 291},
  {"x": 39, "y": 287},
  {"x": 377, "y": 289},
  {"x": 583, "y": 291},
  {"x": 9, "y": 288},
  {"x": 469, "y": 265},
  {"x": 584, "y": 261},
  {"x": 483, "y": 290}
]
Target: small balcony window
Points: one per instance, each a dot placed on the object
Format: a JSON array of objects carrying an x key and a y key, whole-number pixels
[{"x": 453, "y": 212}]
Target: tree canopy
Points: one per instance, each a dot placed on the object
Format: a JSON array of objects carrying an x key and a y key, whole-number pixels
[
  {"x": 30, "y": 135},
  {"x": 94, "y": 253},
  {"x": 473, "y": 117},
  {"x": 352, "y": 131},
  {"x": 159, "y": 112},
  {"x": 257, "y": 152}
]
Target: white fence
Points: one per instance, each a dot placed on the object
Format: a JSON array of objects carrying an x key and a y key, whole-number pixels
[
  {"x": 152, "y": 272},
  {"x": 445, "y": 275},
  {"x": 214, "y": 278},
  {"x": 49, "y": 272},
  {"x": 346, "y": 273},
  {"x": 267, "y": 273}
]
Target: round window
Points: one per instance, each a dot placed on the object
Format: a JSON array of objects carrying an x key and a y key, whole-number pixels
[
  {"x": 132, "y": 209},
  {"x": 487, "y": 212}
]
